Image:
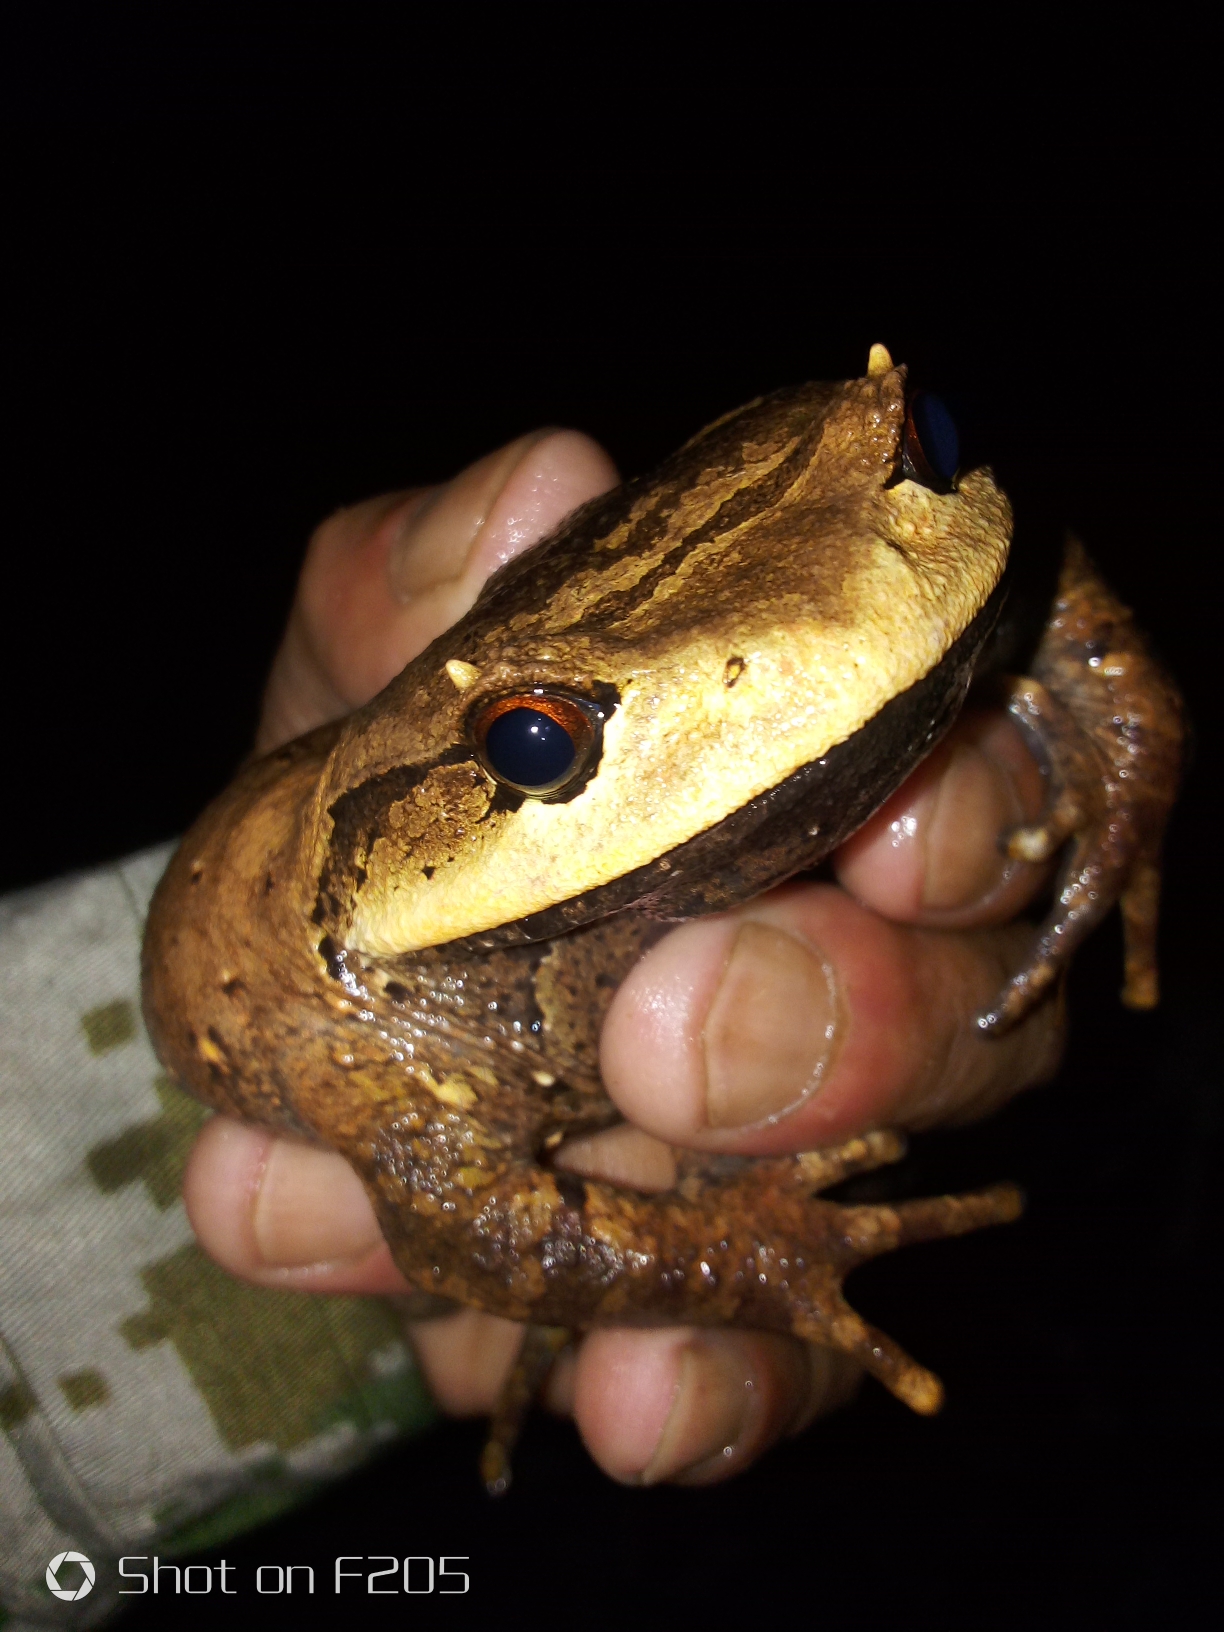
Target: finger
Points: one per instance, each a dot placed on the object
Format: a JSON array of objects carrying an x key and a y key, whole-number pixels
[
  {"x": 931, "y": 855},
  {"x": 282, "y": 1213},
  {"x": 694, "y": 1407},
  {"x": 384, "y": 578},
  {"x": 805, "y": 1018},
  {"x": 621, "y": 1155}
]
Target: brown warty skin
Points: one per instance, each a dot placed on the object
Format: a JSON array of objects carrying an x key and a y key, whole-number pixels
[{"x": 372, "y": 939}]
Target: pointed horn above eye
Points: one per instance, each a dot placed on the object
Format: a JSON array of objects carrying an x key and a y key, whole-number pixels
[
  {"x": 879, "y": 362},
  {"x": 463, "y": 675}
]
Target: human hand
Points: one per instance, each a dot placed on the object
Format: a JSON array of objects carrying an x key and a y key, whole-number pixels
[{"x": 811, "y": 1014}]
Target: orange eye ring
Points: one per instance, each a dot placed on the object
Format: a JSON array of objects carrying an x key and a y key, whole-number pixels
[{"x": 537, "y": 742}]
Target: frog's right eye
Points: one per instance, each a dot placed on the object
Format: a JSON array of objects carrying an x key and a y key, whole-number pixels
[
  {"x": 930, "y": 446},
  {"x": 538, "y": 742}
]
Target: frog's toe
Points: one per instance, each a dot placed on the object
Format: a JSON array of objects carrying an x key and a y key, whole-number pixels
[
  {"x": 524, "y": 1382},
  {"x": 1140, "y": 903},
  {"x": 876, "y": 1352},
  {"x": 1021, "y": 995},
  {"x": 1034, "y": 844},
  {"x": 1040, "y": 841},
  {"x": 1097, "y": 875},
  {"x": 822, "y": 1315}
]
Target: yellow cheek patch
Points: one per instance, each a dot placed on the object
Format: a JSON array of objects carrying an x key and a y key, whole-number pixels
[
  {"x": 752, "y": 609},
  {"x": 685, "y": 749}
]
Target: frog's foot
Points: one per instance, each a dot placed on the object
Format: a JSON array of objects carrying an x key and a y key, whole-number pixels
[
  {"x": 746, "y": 1243},
  {"x": 540, "y": 1347},
  {"x": 1108, "y": 724},
  {"x": 758, "y": 1247},
  {"x": 823, "y": 1316}
]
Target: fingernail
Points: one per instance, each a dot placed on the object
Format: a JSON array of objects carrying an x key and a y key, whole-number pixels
[
  {"x": 975, "y": 801},
  {"x": 622, "y": 1155},
  {"x": 770, "y": 1031},
  {"x": 436, "y": 533},
  {"x": 311, "y": 1209},
  {"x": 710, "y": 1408}
]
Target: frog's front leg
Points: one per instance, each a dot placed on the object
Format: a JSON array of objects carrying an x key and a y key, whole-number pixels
[{"x": 1108, "y": 724}]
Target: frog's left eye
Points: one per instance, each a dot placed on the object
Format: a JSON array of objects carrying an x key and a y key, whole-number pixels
[
  {"x": 537, "y": 742},
  {"x": 930, "y": 446}
]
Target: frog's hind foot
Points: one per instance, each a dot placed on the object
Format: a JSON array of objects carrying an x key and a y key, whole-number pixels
[
  {"x": 540, "y": 1347},
  {"x": 749, "y": 1243},
  {"x": 1109, "y": 725},
  {"x": 773, "y": 1253},
  {"x": 824, "y": 1317}
]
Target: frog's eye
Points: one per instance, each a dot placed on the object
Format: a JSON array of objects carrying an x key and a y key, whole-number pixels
[
  {"x": 930, "y": 447},
  {"x": 538, "y": 742}
]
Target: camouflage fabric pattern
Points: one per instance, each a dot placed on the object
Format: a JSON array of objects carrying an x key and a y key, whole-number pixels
[{"x": 148, "y": 1402}]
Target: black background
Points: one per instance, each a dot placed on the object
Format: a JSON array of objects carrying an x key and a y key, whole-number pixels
[{"x": 260, "y": 270}]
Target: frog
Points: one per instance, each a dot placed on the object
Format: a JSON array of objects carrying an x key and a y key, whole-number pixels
[{"x": 398, "y": 935}]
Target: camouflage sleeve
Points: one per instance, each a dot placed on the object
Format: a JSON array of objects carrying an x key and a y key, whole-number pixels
[{"x": 148, "y": 1402}]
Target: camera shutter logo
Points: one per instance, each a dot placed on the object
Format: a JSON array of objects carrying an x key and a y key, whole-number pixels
[{"x": 86, "y": 1586}]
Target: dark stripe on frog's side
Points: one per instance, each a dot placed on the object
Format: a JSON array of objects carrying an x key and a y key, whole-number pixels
[
  {"x": 525, "y": 586},
  {"x": 756, "y": 846},
  {"x": 357, "y": 820}
]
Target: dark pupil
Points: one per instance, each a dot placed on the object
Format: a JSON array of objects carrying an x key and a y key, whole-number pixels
[
  {"x": 937, "y": 434},
  {"x": 529, "y": 748}
]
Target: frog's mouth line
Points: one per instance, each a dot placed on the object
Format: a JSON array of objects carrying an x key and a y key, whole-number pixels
[{"x": 789, "y": 827}]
